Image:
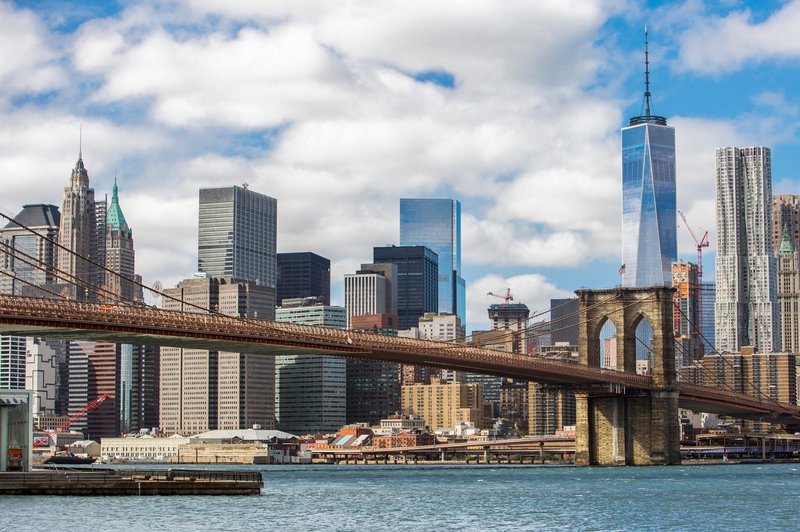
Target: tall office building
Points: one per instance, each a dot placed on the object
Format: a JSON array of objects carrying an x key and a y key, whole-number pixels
[
  {"x": 564, "y": 321},
  {"x": 12, "y": 362},
  {"x": 79, "y": 233},
  {"x": 789, "y": 292},
  {"x": 35, "y": 260},
  {"x": 785, "y": 212},
  {"x": 237, "y": 235},
  {"x": 442, "y": 328},
  {"x": 417, "y": 281},
  {"x": 371, "y": 290},
  {"x": 303, "y": 274},
  {"x": 94, "y": 370},
  {"x": 708, "y": 298},
  {"x": 747, "y": 304},
  {"x": 687, "y": 312},
  {"x": 370, "y": 301},
  {"x": 649, "y": 229},
  {"x": 120, "y": 255},
  {"x": 45, "y": 376},
  {"x": 26, "y": 261},
  {"x": 436, "y": 224},
  {"x": 144, "y": 391},
  {"x": 204, "y": 390},
  {"x": 310, "y": 390},
  {"x": 438, "y": 328},
  {"x": 373, "y": 387}
]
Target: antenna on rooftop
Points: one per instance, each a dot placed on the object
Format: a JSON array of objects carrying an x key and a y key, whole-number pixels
[{"x": 646, "y": 75}]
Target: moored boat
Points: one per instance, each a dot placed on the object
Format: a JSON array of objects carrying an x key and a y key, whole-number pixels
[{"x": 69, "y": 459}]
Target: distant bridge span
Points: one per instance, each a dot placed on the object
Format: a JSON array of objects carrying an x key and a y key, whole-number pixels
[{"x": 25, "y": 316}]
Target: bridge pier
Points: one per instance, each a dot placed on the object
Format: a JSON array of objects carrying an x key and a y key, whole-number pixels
[
  {"x": 620, "y": 426},
  {"x": 627, "y": 430}
]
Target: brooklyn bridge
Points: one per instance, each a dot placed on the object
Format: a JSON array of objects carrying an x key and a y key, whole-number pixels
[{"x": 622, "y": 417}]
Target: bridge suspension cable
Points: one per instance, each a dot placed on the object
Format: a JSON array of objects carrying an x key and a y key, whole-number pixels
[{"x": 723, "y": 359}]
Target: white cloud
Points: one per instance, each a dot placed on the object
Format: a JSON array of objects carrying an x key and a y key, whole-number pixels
[
  {"x": 39, "y": 147},
  {"x": 533, "y": 290},
  {"x": 724, "y": 44},
  {"x": 29, "y": 61},
  {"x": 340, "y": 129}
]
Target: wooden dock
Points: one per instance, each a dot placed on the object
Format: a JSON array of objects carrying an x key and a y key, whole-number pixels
[{"x": 130, "y": 482}]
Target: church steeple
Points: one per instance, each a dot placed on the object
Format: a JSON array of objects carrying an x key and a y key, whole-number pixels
[{"x": 647, "y": 117}]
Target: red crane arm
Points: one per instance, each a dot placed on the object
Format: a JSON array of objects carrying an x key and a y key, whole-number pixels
[
  {"x": 73, "y": 418},
  {"x": 689, "y": 227}
]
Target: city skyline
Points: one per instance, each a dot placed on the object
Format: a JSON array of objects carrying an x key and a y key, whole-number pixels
[{"x": 344, "y": 129}]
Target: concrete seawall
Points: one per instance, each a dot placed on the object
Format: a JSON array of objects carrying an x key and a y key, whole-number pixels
[{"x": 131, "y": 482}]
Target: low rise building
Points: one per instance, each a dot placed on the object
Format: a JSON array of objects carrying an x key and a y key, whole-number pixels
[
  {"x": 412, "y": 438},
  {"x": 398, "y": 424},
  {"x": 144, "y": 447},
  {"x": 87, "y": 447}
]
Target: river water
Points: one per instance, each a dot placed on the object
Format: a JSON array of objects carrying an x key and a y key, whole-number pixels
[{"x": 696, "y": 497}]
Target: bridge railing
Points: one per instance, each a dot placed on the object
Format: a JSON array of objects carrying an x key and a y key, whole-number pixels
[
  {"x": 207, "y": 325},
  {"x": 233, "y": 328}
]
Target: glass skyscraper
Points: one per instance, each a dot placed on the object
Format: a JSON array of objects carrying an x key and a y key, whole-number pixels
[
  {"x": 417, "y": 281},
  {"x": 303, "y": 274},
  {"x": 237, "y": 235},
  {"x": 436, "y": 224},
  {"x": 649, "y": 239}
]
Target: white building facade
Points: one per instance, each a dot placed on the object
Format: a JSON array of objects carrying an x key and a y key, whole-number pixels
[{"x": 746, "y": 310}]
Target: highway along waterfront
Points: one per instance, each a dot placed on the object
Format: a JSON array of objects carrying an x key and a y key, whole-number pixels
[{"x": 327, "y": 497}]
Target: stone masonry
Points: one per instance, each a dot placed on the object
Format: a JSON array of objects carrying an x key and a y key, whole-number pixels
[{"x": 628, "y": 427}]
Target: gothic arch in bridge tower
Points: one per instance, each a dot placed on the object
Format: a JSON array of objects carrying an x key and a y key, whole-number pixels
[{"x": 625, "y": 426}]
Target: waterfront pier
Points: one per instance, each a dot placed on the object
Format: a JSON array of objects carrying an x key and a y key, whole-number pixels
[{"x": 130, "y": 482}]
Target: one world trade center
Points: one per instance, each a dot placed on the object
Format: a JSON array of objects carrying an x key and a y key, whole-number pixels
[{"x": 649, "y": 240}]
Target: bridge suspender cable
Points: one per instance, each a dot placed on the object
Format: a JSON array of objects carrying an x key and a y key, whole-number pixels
[
  {"x": 108, "y": 270},
  {"x": 722, "y": 357}
]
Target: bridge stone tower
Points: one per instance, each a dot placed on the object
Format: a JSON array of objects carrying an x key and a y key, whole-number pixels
[{"x": 628, "y": 427}]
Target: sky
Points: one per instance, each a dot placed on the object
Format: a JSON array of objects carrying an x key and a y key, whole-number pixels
[{"x": 339, "y": 109}]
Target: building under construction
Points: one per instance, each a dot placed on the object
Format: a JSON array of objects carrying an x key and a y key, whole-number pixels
[{"x": 512, "y": 317}]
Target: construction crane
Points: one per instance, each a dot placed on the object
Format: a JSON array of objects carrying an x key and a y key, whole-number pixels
[
  {"x": 508, "y": 297},
  {"x": 702, "y": 243},
  {"x": 72, "y": 419}
]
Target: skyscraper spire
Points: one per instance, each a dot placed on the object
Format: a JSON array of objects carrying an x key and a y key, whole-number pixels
[
  {"x": 80, "y": 142},
  {"x": 647, "y": 117},
  {"x": 115, "y": 219},
  {"x": 646, "y": 75}
]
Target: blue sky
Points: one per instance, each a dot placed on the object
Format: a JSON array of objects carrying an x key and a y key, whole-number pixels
[{"x": 338, "y": 109}]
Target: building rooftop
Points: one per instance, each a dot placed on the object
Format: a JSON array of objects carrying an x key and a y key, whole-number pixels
[
  {"x": 244, "y": 435},
  {"x": 115, "y": 218},
  {"x": 39, "y": 215}
]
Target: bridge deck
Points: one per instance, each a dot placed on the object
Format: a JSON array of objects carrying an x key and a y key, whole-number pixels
[{"x": 77, "y": 320}]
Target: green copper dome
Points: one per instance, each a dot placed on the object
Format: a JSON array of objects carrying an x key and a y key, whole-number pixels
[
  {"x": 115, "y": 218},
  {"x": 786, "y": 247}
]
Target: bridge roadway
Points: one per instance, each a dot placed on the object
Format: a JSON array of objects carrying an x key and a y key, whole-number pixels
[{"x": 25, "y": 316}]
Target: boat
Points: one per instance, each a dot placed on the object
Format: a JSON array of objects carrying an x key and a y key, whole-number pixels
[{"x": 69, "y": 459}]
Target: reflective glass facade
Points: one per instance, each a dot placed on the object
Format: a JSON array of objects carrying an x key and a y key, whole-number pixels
[
  {"x": 417, "y": 281},
  {"x": 237, "y": 235},
  {"x": 310, "y": 390},
  {"x": 436, "y": 224},
  {"x": 649, "y": 240},
  {"x": 303, "y": 274}
]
